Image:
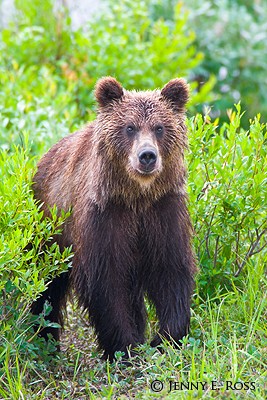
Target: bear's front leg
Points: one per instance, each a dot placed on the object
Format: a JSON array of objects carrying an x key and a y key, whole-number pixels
[
  {"x": 105, "y": 280},
  {"x": 169, "y": 266},
  {"x": 174, "y": 319},
  {"x": 172, "y": 301},
  {"x": 111, "y": 313}
]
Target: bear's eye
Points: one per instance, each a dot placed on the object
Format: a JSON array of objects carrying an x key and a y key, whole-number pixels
[
  {"x": 159, "y": 130},
  {"x": 130, "y": 129}
]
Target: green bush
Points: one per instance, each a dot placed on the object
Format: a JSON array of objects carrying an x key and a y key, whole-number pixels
[
  {"x": 228, "y": 197},
  {"x": 30, "y": 101},
  {"x": 26, "y": 263},
  {"x": 48, "y": 61},
  {"x": 42, "y": 35},
  {"x": 233, "y": 37}
]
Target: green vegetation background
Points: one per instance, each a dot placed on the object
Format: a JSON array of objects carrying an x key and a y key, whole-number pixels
[{"x": 47, "y": 75}]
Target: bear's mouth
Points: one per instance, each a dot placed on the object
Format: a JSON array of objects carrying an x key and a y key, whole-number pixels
[{"x": 148, "y": 170}]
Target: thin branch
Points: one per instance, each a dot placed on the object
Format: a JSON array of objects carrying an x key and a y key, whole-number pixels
[
  {"x": 216, "y": 251},
  {"x": 237, "y": 248},
  {"x": 251, "y": 251},
  {"x": 207, "y": 171},
  {"x": 209, "y": 229},
  {"x": 260, "y": 249}
]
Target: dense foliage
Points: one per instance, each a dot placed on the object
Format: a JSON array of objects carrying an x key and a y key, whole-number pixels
[
  {"x": 232, "y": 35},
  {"x": 228, "y": 197},
  {"x": 47, "y": 75}
]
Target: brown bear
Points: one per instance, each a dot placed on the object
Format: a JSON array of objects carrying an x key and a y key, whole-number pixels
[{"x": 124, "y": 176}]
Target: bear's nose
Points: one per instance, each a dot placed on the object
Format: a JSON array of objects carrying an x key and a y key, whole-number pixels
[{"x": 147, "y": 157}]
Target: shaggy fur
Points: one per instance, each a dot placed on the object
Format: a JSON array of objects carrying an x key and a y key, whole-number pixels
[{"x": 129, "y": 227}]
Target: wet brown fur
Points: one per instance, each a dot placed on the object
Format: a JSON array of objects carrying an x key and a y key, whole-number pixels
[{"x": 131, "y": 234}]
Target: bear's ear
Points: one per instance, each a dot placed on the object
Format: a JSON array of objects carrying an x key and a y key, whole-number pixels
[
  {"x": 107, "y": 89},
  {"x": 176, "y": 92}
]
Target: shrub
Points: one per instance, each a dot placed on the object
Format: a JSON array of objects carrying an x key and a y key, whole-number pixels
[
  {"x": 43, "y": 34},
  {"x": 123, "y": 41},
  {"x": 233, "y": 37},
  {"x": 228, "y": 197},
  {"x": 30, "y": 101},
  {"x": 143, "y": 54},
  {"x": 26, "y": 263}
]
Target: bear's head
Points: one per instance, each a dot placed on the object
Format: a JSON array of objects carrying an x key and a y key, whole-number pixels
[{"x": 142, "y": 133}]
